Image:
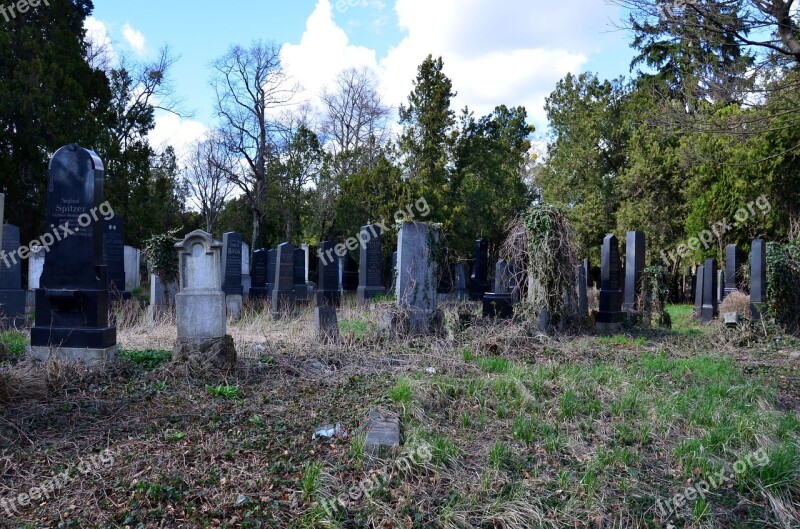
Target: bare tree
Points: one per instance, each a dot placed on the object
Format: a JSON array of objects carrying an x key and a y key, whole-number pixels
[
  {"x": 356, "y": 120},
  {"x": 207, "y": 180},
  {"x": 251, "y": 86}
]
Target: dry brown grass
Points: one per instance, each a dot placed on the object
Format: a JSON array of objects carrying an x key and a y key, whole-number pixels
[{"x": 737, "y": 302}]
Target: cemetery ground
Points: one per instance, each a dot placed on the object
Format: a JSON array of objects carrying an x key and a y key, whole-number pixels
[{"x": 501, "y": 428}]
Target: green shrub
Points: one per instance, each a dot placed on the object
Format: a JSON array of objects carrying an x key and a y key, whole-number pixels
[{"x": 783, "y": 284}]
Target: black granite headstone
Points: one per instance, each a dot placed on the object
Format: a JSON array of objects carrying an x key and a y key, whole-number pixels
[
  {"x": 114, "y": 256},
  {"x": 283, "y": 293},
  {"x": 758, "y": 279},
  {"x": 72, "y": 301},
  {"x": 328, "y": 276},
  {"x": 634, "y": 267},
  {"x": 370, "y": 264},
  {"x": 709, "y": 290},
  {"x": 698, "y": 292},
  {"x": 258, "y": 275},
  {"x": 734, "y": 259},
  {"x": 610, "y": 283},
  {"x": 479, "y": 280},
  {"x": 461, "y": 281},
  {"x": 12, "y": 296},
  {"x": 299, "y": 275},
  {"x": 232, "y": 264},
  {"x": 587, "y": 273}
]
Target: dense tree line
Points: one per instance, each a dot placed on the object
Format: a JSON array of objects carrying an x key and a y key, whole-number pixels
[{"x": 705, "y": 126}]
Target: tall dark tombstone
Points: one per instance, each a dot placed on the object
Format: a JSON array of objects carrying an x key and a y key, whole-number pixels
[
  {"x": 393, "y": 279},
  {"x": 583, "y": 297},
  {"x": 328, "y": 276},
  {"x": 587, "y": 272},
  {"x": 610, "y": 313},
  {"x": 698, "y": 292},
  {"x": 370, "y": 264},
  {"x": 479, "y": 280},
  {"x": 299, "y": 276},
  {"x": 709, "y": 291},
  {"x": 349, "y": 274},
  {"x": 734, "y": 259},
  {"x": 283, "y": 293},
  {"x": 114, "y": 256},
  {"x": 758, "y": 279},
  {"x": 634, "y": 267},
  {"x": 73, "y": 298},
  {"x": 688, "y": 285},
  {"x": 272, "y": 266},
  {"x": 12, "y": 295},
  {"x": 720, "y": 286},
  {"x": 258, "y": 275},
  {"x": 461, "y": 281},
  {"x": 232, "y": 264}
]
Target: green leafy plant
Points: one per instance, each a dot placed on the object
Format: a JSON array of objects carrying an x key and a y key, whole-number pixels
[
  {"x": 225, "y": 392},
  {"x": 655, "y": 294},
  {"x": 783, "y": 284},
  {"x": 15, "y": 341},
  {"x": 148, "y": 359},
  {"x": 162, "y": 258}
]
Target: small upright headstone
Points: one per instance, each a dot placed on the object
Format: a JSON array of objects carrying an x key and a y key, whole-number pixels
[
  {"x": 698, "y": 292},
  {"x": 634, "y": 267},
  {"x": 583, "y": 297},
  {"x": 162, "y": 298},
  {"x": 114, "y": 256},
  {"x": 232, "y": 273},
  {"x": 200, "y": 305},
  {"x": 416, "y": 281},
  {"x": 479, "y": 280},
  {"x": 328, "y": 276},
  {"x": 326, "y": 323},
  {"x": 709, "y": 291},
  {"x": 370, "y": 264},
  {"x": 720, "y": 286},
  {"x": 73, "y": 298},
  {"x": 12, "y": 296},
  {"x": 283, "y": 293},
  {"x": 610, "y": 314},
  {"x": 758, "y": 279},
  {"x": 461, "y": 281},
  {"x": 733, "y": 268},
  {"x": 247, "y": 281},
  {"x": 272, "y": 267},
  {"x": 258, "y": 275},
  {"x": 587, "y": 273},
  {"x": 133, "y": 263},
  {"x": 299, "y": 276}
]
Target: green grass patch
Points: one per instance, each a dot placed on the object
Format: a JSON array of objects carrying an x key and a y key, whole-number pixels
[
  {"x": 623, "y": 341},
  {"x": 683, "y": 321},
  {"x": 15, "y": 341},
  {"x": 148, "y": 359},
  {"x": 357, "y": 328},
  {"x": 224, "y": 392},
  {"x": 494, "y": 364}
]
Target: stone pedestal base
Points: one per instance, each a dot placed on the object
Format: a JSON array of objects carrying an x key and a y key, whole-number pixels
[
  {"x": 201, "y": 353},
  {"x": 13, "y": 302},
  {"x": 363, "y": 294},
  {"x": 498, "y": 306},
  {"x": 87, "y": 356},
  {"x": 607, "y": 328},
  {"x": 234, "y": 306},
  {"x": 328, "y": 297},
  {"x": 200, "y": 314},
  {"x": 326, "y": 323}
]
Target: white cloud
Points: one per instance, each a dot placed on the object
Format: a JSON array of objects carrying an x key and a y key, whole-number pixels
[
  {"x": 102, "y": 50},
  {"x": 176, "y": 131},
  {"x": 135, "y": 39},
  {"x": 323, "y": 52}
]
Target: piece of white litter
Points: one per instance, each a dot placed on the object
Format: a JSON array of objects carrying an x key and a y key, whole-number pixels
[
  {"x": 431, "y": 371},
  {"x": 329, "y": 431}
]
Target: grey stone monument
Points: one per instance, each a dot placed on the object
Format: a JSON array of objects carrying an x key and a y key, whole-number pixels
[
  {"x": 610, "y": 315},
  {"x": 709, "y": 291},
  {"x": 162, "y": 298},
  {"x": 328, "y": 276},
  {"x": 283, "y": 293},
  {"x": 73, "y": 298},
  {"x": 258, "y": 275},
  {"x": 758, "y": 279},
  {"x": 634, "y": 267},
  {"x": 416, "y": 279},
  {"x": 733, "y": 268},
  {"x": 133, "y": 263},
  {"x": 370, "y": 264},
  {"x": 698, "y": 292},
  {"x": 200, "y": 305},
  {"x": 462, "y": 292}
]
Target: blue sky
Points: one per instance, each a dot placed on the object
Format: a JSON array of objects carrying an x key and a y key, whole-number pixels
[{"x": 496, "y": 52}]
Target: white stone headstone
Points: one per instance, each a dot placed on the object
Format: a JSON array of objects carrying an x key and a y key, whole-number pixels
[
  {"x": 200, "y": 305},
  {"x": 35, "y": 266}
]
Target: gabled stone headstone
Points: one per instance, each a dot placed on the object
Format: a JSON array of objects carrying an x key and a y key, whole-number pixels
[
  {"x": 114, "y": 256},
  {"x": 73, "y": 298},
  {"x": 709, "y": 291},
  {"x": 416, "y": 281},
  {"x": 634, "y": 267},
  {"x": 610, "y": 314},
  {"x": 758, "y": 279},
  {"x": 200, "y": 305},
  {"x": 479, "y": 280},
  {"x": 283, "y": 293},
  {"x": 258, "y": 275},
  {"x": 12, "y": 296},
  {"x": 370, "y": 264},
  {"x": 328, "y": 276}
]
